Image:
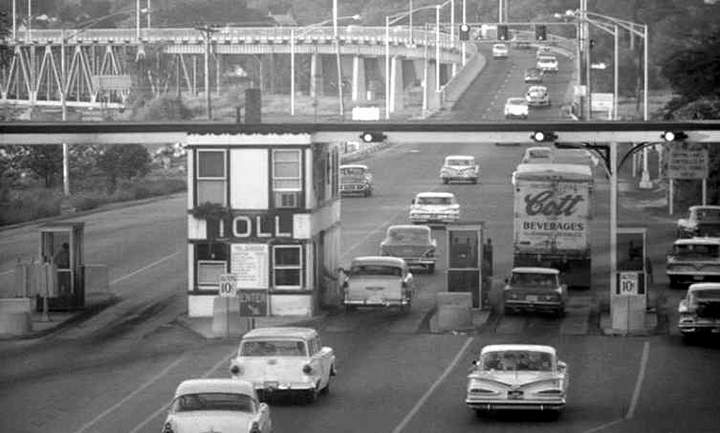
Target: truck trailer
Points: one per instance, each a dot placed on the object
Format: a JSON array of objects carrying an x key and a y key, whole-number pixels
[{"x": 552, "y": 214}]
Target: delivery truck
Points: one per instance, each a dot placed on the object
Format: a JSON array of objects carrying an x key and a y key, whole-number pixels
[{"x": 552, "y": 214}]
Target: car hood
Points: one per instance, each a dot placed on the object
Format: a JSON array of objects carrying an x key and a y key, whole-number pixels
[
  {"x": 216, "y": 421},
  {"x": 512, "y": 378}
]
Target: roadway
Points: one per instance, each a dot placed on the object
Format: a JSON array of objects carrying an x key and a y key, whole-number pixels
[{"x": 116, "y": 371}]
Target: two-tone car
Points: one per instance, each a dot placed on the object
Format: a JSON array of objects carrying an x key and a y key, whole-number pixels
[
  {"x": 219, "y": 405},
  {"x": 699, "y": 310},
  {"x": 547, "y": 63},
  {"x": 517, "y": 377},
  {"x": 412, "y": 243},
  {"x": 284, "y": 360},
  {"x": 516, "y": 108},
  {"x": 537, "y": 96},
  {"x": 534, "y": 289},
  {"x": 434, "y": 208},
  {"x": 700, "y": 221},
  {"x": 499, "y": 51},
  {"x": 459, "y": 168},
  {"x": 693, "y": 260},
  {"x": 379, "y": 282},
  {"x": 356, "y": 179}
]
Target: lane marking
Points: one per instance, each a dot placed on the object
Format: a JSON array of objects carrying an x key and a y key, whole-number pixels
[
  {"x": 128, "y": 397},
  {"x": 146, "y": 267},
  {"x": 604, "y": 426},
  {"x": 6, "y": 272},
  {"x": 158, "y": 412},
  {"x": 437, "y": 383},
  {"x": 639, "y": 382}
]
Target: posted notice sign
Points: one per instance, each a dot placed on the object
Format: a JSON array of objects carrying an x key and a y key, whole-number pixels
[
  {"x": 687, "y": 163},
  {"x": 250, "y": 265}
]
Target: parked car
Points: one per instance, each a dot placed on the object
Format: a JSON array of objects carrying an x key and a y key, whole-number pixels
[
  {"x": 534, "y": 75},
  {"x": 356, "y": 179},
  {"x": 459, "y": 168},
  {"x": 517, "y": 377},
  {"x": 434, "y": 207},
  {"x": 700, "y": 310},
  {"x": 378, "y": 281},
  {"x": 516, "y": 108},
  {"x": 284, "y": 361},
  {"x": 534, "y": 289},
  {"x": 538, "y": 155},
  {"x": 547, "y": 64},
  {"x": 220, "y": 405},
  {"x": 693, "y": 260},
  {"x": 499, "y": 51},
  {"x": 700, "y": 221},
  {"x": 412, "y": 243},
  {"x": 537, "y": 96}
]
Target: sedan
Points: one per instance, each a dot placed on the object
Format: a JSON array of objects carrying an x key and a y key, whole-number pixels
[
  {"x": 413, "y": 243},
  {"x": 500, "y": 51},
  {"x": 516, "y": 108},
  {"x": 517, "y": 377},
  {"x": 547, "y": 64},
  {"x": 537, "y": 96},
  {"x": 434, "y": 207},
  {"x": 221, "y": 405},
  {"x": 533, "y": 75}
]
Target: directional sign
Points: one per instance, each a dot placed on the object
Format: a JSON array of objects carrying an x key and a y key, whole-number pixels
[
  {"x": 628, "y": 283},
  {"x": 228, "y": 285},
  {"x": 253, "y": 303},
  {"x": 685, "y": 162}
]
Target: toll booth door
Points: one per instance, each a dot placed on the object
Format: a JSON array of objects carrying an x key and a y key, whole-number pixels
[{"x": 464, "y": 262}]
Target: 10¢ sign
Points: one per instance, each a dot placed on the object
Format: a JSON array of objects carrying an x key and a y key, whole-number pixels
[
  {"x": 628, "y": 283},
  {"x": 228, "y": 286}
]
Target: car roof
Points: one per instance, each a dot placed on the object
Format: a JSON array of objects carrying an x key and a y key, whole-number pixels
[
  {"x": 516, "y": 99},
  {"x": 534, "y": 270},
  {"x": 531, "y": 88},
  {"x": 539, "y": 170},
  {"x": 281, "y": 331},
  {"x": 354, "y": 166},
  {"x": 499, "y": 45},
  {"x": 410, "y": 227},
  {"x": 703, "y": 286},
  {"x": 459, "y": 157},
  {"x": 698, "y": 241},
  {"x": 508, "y": 347},
  {"x": 378, "y": 260},
  {"x": 435, "y": 194},
  {"x": 226, "y": 385},
  {"x": 538, "y": 148}
]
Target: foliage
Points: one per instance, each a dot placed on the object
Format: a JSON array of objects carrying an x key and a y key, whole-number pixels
[
  {"x": 124, "y": 161},
  {"x": 26, "y": 205},
  {"x": 43, "y": 161},
  {"x": 210, "y": 211},
  {"x": 695, "y": 72}
]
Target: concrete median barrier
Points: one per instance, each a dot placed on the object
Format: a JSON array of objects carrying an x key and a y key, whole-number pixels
[
  {"x": 15, "y": 316},
  {"x": 454, "y": 312},
  {"x": 226, "y": 319}
]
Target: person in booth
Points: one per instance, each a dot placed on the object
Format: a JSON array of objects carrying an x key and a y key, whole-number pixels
[{"x": 61, "y": 259}]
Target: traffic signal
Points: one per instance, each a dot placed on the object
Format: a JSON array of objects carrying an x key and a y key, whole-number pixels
[
  {"x": 540, "y": 33},
  {"x": 543, "y": 136},
  {"x": 502, "y": 31},
  {"x": 673, "y": 136},
  {"x": 464, "y": 32},
  {"x": 373, "y": 137}
]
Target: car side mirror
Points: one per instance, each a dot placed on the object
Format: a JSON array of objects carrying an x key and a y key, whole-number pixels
[{"x": 561, "y": 365}]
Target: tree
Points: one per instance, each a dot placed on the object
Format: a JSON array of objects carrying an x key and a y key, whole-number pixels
[
  {"x": 124, "y": 161},
  {"x": 44, "y": 161},
  {"x": 695, "y": 73}
]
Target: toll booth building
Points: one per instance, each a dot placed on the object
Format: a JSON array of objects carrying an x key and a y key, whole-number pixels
[{"x": 263, "y": 209}]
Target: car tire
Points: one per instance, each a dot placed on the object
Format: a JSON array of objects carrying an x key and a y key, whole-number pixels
[
  {"x": 554, "y": 415},
  {"x": 446, "y": 181},
  {"x": 326, "y": 390},
  {"x": 560, "y": 312},
  {"x": 431, "y": 268},
  {"x": 480, "y": 413}
]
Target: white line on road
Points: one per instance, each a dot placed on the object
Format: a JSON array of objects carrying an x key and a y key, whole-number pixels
[
  {"x": 604, "y": 426},
  {"x": 6, "y": 272},
  {"x": 157, "y": 413},
  {"x": 146, "y": 267},
  {"x": 640, "y": 378},
  {"x": 429, "y": 392},
  {"x": 131, "y": 395}
]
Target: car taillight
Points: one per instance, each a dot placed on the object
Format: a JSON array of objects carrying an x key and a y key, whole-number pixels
[
  {"x": 307, "y": 369},
  {"x": 255, "y": 427}
]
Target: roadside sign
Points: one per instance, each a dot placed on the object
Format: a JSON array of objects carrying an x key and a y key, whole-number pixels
[
  {"x": 685, "y": 162},
  {"x": 628, "y": 283},
  {"x": 228, "y": 286},
  {"x": 601, "y": 101},
  {"x": 253, "y": 303}
]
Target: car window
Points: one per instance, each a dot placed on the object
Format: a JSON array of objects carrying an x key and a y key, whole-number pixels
[
  {"x": 696, "y": 251},
  {"x": 527, "y": 279},
  {"x": 708, "y": 214},
  {"x": 273, "y": 348},
  {"x": 466, "y": 162},
  {"x": 434, "y": 200},
  {"x": 214, "y": 401},
  {"x": 369, "y": 269},
  {"x": 408, "y": 236},
  {"x": 517, "y": 360},
  {"x": 354, "y": 171}
]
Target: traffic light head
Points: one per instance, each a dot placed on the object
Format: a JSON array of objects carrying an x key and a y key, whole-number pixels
[
  {"x": 673, "y": 136},
  {"x": 502, "y": 32},
  {"x": 373, "y": 137},
  {"x": 464, "y": 32},
  {"x": 540, "y": 33},
  {"x": 543, "y": 136}
]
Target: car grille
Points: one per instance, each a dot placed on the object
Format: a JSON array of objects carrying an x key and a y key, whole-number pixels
[
  {"x": 708, "y": 310},
  {"x": 352, "y": 187},
  {"x": 709, "y": 229}
]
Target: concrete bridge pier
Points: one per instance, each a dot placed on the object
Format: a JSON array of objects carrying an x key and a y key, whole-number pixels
[
  {"x": 316, "y": 75},
  {"x": 396, "y": 84},
  {"x": 359, "y": 88},
  {"x": 431, "y": 97}
]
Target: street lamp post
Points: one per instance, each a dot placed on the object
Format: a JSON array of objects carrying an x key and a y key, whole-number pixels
[
  {"x": 338, "y": 61},
  {"x": 207, "y": 31},
  {"x": 464, "y": 43}
]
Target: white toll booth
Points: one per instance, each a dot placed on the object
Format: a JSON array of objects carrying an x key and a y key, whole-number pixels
[{"x": 263, "y": 212}]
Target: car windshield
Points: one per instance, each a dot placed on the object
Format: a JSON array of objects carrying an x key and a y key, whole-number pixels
[
  {"x": 539, "y": 154},
  {"x": 517, "y": 360},
  {"x": 529, "y": 279},
  {"x": 273, "y": 348},
  {"x": 516, "y": 101},
  {"x": 368, "y": 269},
  {"x": 708, "y": 214},
  {"x": 706, "y": 294},
  {"x": 464, "y": 162},
  {"x": 409, "y": 236},
  {"x": 696, "y": 251},
  {"x": 435, "y": 200},
  {"x": 214, "y": 401},
  {"x": 352, "y": 171},
  {"x": 499, "y": 46}
]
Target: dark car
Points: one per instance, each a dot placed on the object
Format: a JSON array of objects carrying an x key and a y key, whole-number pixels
[
  {"x": 413, "y": 243},
  {"x": 700, "y": 221},
  {"x": 355, "y": 179},
  {"x": 534, "y": 75},
  {"x": 534, "y": 289}
]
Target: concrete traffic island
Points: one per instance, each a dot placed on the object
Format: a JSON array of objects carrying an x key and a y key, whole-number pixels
[
  {"x": 454, "y": 313},
  {"x": 15, "y": 319}
]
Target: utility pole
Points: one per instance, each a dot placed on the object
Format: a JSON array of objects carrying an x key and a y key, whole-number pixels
[{"x": 207, "y": 31}]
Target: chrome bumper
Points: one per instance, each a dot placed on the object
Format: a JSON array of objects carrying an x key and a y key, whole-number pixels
[{"x": 486, "y": 404}]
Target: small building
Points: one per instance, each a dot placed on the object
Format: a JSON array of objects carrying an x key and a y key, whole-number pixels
[{"x": 264, "y": 209}]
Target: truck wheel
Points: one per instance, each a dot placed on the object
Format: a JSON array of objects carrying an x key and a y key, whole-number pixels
[{"x": 431, "y": 268}]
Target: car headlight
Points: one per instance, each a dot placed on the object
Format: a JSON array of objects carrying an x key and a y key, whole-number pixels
[{"x": 236, "y": 370}]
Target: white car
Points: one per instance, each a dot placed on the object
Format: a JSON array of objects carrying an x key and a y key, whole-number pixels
[
  {"x": 700, "y": 310},
  {"x": 220, "y": 405},
  {"x": 284, "y": 360},
  {"x": 547, "y": 64},
  {"x": 538, "y": 155},
  {"x": 459, "y": 168},
  {"x": 517, "y": 377},
  {"x": 516, "y": 108},
  {"x": 434, "y": 207},
  {"x": 537, "y": 96},
  {"x": 499, "y": 51},
  {"x": 378, "y": 281}
]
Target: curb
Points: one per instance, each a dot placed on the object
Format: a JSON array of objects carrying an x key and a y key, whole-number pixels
[{"x": 187, "y": 323}]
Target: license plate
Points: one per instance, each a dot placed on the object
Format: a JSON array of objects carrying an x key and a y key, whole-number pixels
[
  {"x": 515, "y": 395},
  {"x": 375, "y": 300},
  {"x": 531, "y": 298}
]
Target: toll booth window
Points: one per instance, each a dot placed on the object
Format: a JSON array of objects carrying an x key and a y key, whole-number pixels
[
  {"x": 211, "y": 176},
  {"x": 463, "y": 249},
  {"x": 287, "y": 266},
  {"x": 212, "y": 261},
  {"x": 287, "y": 178}
]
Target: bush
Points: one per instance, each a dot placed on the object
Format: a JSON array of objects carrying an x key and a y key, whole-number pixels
[{"x": 29, "y": 204}]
